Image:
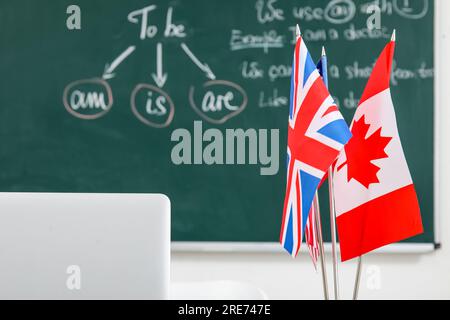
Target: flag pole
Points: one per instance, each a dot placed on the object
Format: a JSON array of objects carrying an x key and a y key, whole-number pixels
[
  {"x": 331, "y": 196},
  {"x": 318, "y": 231},
  {"x": 333, "y": 235},
  {"x": 358, "y": 279}
]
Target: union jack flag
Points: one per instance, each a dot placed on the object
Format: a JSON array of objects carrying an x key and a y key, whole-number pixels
[{"x": 317, "y": 133}]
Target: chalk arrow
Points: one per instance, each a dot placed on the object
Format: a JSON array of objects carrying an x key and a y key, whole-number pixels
[
  {"x": 109, "y": 68},
  {"x": 160, "y": 77},
  {"x": 203, "y": 66}
]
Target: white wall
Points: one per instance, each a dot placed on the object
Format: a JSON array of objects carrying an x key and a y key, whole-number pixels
[{"x": 402, "y": 276}]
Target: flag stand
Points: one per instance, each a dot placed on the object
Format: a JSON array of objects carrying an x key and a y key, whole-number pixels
[
  {"x": 357, "y": 279},
  {"x": 318, "y": 231},
  {"x": 324, "y": 68}
]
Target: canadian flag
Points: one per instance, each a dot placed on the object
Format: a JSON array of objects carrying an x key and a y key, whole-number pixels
[{"x": 375, "y": 199}]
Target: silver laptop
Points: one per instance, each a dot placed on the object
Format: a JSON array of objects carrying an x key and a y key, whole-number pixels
[{"x": 84, "y": 246}]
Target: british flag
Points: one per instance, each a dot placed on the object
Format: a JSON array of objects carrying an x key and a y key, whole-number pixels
[{"x": 317, "y": 133}]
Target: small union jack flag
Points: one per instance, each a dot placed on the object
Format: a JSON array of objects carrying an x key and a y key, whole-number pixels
[{"x": 317, "y": 133}]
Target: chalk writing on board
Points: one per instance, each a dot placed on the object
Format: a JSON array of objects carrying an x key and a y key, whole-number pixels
[
  {"x": 147, "y": 30},
  {"x": 159, "y": 77},
  {"x": 152, "y": 106},
  {"x": 266, "y": 11},
  {"x": 356, "y": 71},
  {"x": 272, "y": 100},
  {"x": 220, "y": 101},
  {"x": 340, "y": 11},
  {"x": 343, "y": 11},
  {"x": 141, "y": 15},
  {"x": 88, "y": 99},
  {"x": 251, "y": 70},
  {"x": 109, "y": 68},
  {"x": 385, "y": 7},
  {"x": 172, "y": 29},
  {"x": 336, "y": 12},
  {"x": 350, "y": 33},
  {"x": 411, "y": 9},
  {"x": 425, "y": 72},
  {"x": 279, "y": 71},
  {"x": 351, "y": 101},
  {"x": 267, "y": 40},
  {"x": 203, "y": 66}
]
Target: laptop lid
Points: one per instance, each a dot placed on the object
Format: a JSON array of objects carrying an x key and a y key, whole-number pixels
[{"x": 84, "y": 246}]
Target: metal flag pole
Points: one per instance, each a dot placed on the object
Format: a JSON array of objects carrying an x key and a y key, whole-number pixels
[
  {"x": 333, "y": 236},
  {"x": 358, "y": 279},
  {"x": 318, "y": 231},
  {"x": 331, "y": 193}
]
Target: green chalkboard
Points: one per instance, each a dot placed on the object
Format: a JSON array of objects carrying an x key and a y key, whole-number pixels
[{"x": 91, "y": 97}]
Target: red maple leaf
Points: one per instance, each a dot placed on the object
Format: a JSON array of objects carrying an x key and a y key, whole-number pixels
[{"x": 361, "y": 151}]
